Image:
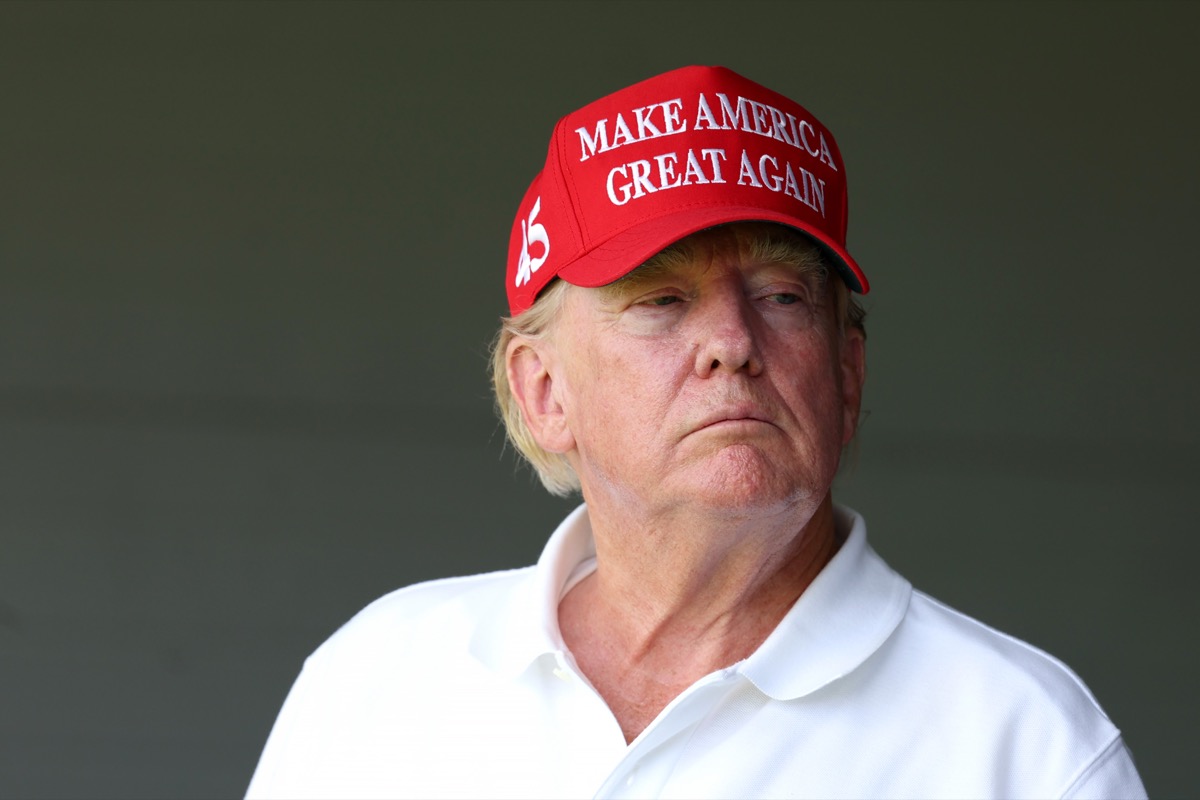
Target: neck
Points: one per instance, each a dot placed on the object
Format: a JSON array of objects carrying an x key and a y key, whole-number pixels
[{"x": 670, "y": 603}]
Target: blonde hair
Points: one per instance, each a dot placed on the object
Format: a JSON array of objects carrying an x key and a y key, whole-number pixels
[{"x": 760, "y": 241}]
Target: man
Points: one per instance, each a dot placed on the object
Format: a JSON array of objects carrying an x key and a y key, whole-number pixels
[{"x": 683, "y": 350}]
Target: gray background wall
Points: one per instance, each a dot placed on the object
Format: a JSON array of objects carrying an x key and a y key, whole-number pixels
[{"x": 251, "y": 257}]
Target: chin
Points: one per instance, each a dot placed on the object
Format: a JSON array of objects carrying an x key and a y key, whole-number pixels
[{"x": 742, "y": 479}]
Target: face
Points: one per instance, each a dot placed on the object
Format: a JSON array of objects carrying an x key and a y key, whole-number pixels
[{"x": 719, "y": 381}]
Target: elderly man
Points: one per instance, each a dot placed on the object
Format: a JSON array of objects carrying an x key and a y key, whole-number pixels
[{"x": 684, "y": 350}]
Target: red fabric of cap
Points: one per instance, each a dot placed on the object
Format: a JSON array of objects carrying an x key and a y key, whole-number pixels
[{"x": 640, "y": 169}]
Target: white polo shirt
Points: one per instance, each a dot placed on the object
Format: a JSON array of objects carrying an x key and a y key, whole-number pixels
[{"x": 866, "y": 689}]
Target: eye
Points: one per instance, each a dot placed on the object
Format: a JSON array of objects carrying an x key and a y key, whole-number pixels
[
  {"x": 785, "y": 298},
  {"x": 664, "y": 300}
]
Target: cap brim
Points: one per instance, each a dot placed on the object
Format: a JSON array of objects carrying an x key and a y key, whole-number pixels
[{"x": 613, "y": 259}]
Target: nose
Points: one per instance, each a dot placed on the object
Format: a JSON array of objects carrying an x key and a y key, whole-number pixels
[{"x": 726, "y": 336}]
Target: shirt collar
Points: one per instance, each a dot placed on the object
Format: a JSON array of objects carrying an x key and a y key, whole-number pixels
[
  {"x": 515, "y": 633},
  {"x": 845, "y": 614}
]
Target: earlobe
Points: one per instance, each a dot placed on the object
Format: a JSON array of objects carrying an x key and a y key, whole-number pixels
[
  {"x": 854, "y": 376},
  {"x": 531, "y": 378}
]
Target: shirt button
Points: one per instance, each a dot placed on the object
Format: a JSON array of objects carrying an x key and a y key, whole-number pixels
[{"x": 631, "y": 778}]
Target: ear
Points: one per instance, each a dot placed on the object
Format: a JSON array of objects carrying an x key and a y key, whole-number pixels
[
  {"x": 854, "y": 375},
  {"x": 531, "y": 378}
]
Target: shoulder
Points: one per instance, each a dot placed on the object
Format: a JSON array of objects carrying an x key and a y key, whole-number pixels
[
  {"x": 972, "y": 652},
  {"x": 388, "y": 680},
  {"x": 986, "y": 695},
  {"x": 446, "y": 612},
  {"x": 437, "y": 595}
]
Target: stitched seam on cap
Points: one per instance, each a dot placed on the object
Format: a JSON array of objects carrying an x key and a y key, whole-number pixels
[{"x": 568, "y": 181}]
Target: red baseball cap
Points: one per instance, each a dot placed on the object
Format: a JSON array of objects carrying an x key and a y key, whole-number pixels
[{"x": 640, "y": 169}]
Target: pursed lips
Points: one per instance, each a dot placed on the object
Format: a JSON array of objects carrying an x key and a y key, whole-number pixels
[{"x": 735, "y": 414}]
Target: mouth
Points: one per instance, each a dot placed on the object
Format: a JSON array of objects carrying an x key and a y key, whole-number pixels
[{"x": 733, "y": 419}]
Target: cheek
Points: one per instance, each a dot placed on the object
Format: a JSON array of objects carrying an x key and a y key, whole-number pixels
[
  {"x": 815, "y": 387},
  {"x": 622, "y": 393}
]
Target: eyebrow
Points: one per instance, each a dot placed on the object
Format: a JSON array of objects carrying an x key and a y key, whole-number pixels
[
  {"x": 653, "y": 270},
  {"x": 666, "y": 262}
]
